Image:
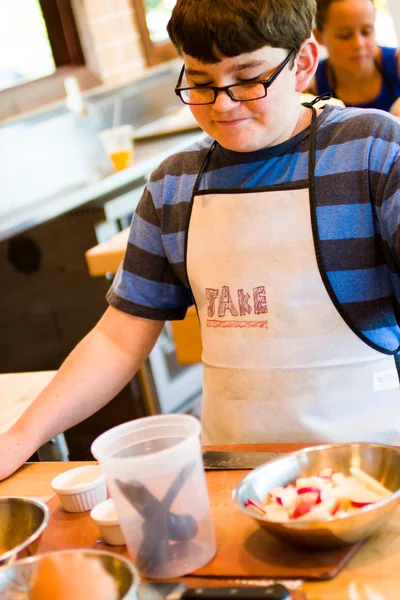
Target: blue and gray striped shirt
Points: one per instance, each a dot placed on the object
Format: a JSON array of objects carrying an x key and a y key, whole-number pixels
[{"x": 356, "y": 228}]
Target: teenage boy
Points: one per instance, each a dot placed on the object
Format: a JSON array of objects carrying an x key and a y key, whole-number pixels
[{"x": 282, "y": 226}]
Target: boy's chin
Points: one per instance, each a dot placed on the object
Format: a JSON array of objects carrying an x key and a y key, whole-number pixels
[{"x": 241, "y": 146}]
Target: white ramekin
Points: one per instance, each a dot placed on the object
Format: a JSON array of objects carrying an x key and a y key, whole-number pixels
[
  {"x": 105, "y": 517},
  {"x": 80, "y": 489}
]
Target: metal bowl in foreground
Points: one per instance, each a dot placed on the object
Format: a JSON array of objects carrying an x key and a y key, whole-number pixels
[
  {"x": 379, "y": 461},
  {"x": 16, "y": 580},
  {"x": 22, "y": 522}
]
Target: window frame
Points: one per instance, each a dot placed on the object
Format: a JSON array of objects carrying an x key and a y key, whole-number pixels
[
  {"x": 155, "y": 53},
  {"x": 63, "y": 33}
]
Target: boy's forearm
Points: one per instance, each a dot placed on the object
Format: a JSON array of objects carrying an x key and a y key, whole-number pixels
[
  {"x": 96, "y": 370},
  {"x": 83, "y": 384}
]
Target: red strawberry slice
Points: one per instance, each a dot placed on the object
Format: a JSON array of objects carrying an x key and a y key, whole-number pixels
[
  {"x": 250, "y": 502},
  {"x": 335, "y": 508},
  {"x": 302, "y": 509},
  {"x": 310, "y": 494},
  {"x": 360, "y": 504}
]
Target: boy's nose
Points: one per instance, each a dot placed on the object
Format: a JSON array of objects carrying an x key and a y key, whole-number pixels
[{"x": 223, "y": 101}]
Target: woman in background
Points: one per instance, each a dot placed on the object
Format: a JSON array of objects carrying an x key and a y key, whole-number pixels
[{"x": 357, "y": 70}]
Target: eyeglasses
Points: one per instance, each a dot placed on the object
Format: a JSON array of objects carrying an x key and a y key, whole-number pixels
[{"x": 239, "y": 92}]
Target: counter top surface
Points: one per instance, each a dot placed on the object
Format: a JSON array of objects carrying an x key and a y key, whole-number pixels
[
  {"x": 372, "y": 574},
  {"x": 102, "y": 185},
  {"x": 17, "y": 392}
]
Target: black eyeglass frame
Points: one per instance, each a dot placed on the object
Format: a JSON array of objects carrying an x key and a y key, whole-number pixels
[{"x": 227, "y": 88}]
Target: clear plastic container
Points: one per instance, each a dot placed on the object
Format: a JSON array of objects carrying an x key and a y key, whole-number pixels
[
  {"x": 154, "y": 471},
  {"x": 118, "y": 145}
]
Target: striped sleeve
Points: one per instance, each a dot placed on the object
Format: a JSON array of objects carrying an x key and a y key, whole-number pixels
[
  {"x": 151, "y": 281},
  {"x": 145, "y": 285},
  {"x": 389, "y": 222},
  {"x": 358, "y": 221}
]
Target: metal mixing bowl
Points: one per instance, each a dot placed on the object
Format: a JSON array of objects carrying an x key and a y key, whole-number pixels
[
  {"x": 379, "y": 461},
  {"x": 16, "y": 580},
  {"x": 22, "y": 522}
]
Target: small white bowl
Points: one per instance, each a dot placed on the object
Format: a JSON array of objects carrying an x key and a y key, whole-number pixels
[
  {"x": 105, "y": 517},
  {"x": 80, "y": 489}
]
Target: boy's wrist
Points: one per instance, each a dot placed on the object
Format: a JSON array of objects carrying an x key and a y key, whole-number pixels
[{"x": 22, "y": 441}]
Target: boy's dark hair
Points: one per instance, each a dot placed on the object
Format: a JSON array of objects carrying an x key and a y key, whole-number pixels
[
  {"x": 322, "y": 12},
  {"x": 210, "y": 30}
]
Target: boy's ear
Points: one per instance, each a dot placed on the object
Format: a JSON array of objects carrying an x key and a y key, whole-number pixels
[{"x": 306, "y": 64}]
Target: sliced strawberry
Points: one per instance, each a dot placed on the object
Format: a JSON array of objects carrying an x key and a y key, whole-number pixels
[
  {"x": 335, "y": 508},
  {"x": 310, "y": 494},
  {"x": 302, "y": 509},
  {"x": 360, "y": 504},
  {"x": 253, "y": 504}
]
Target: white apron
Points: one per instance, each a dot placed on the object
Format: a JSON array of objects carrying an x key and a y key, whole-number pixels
[{"x": 280, "y": 363}]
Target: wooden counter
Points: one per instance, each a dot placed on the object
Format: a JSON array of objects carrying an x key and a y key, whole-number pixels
[
  {"x": 17, "y": 392},
  {"x": 372, "y": 574}
]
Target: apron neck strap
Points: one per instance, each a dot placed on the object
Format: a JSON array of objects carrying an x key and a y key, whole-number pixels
[
  {"x": 312, "y": 146},
  {"x": 202, "y": 167},
  {"x": 326, "y": 96}
]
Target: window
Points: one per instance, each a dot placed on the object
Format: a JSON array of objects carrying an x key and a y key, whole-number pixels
[
  {"x": 385, "y": 30},
  {"x": 158, "y": 13},
  {"x": 23, "y": 20},
  {"x": 152, "y": 18},
  {"x": 40, "y": 47},
  {"x": 36, "y": 37},
  {"x": 62, "y": 32}
]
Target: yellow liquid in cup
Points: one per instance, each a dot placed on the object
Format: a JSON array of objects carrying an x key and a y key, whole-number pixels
[{"x": 122, "y": 159}]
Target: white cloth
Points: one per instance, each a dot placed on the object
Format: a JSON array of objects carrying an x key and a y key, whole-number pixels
[{"x": 280, "y": 363}]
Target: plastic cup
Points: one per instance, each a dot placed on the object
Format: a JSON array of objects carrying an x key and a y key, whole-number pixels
[
  {"x": 154, "y": 470},
  {"x": 118, "y": 144}
]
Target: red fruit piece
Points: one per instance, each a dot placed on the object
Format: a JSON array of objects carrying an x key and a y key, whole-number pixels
[
  {"x": 360, "y": 504},
  {"x": 302, "y": 509},
  {"x": 311, "y": 494},
  {"x": 254, "y": 505},
  {"x": 335, "y": 508}
]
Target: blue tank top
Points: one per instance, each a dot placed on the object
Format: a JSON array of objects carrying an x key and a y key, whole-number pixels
[{"x": 390, "y": 89}]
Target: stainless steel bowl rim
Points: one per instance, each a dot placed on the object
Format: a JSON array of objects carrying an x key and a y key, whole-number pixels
[
  {"x": 5, "y": 556},
  {"x": 307, "y": 524},
  {"x": 92, "y": 552}
]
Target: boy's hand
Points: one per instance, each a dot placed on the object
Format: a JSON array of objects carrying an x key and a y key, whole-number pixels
[{"x": 72, "y": 577}]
